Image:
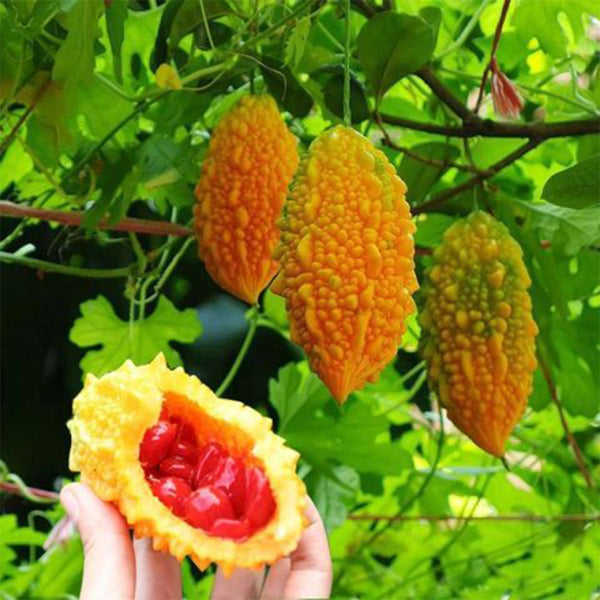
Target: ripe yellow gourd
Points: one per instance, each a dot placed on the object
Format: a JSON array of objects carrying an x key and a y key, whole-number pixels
[{"x": 478, "y": 330}]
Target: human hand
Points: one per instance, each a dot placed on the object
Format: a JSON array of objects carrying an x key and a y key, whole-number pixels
[
  {"x": 305, "y": 573},
  {"x": 115, "y": 567}
]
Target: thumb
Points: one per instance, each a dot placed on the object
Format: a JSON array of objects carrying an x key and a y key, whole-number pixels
[{"x": 109, "y": 568}]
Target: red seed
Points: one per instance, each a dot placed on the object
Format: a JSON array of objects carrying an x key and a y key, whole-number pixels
[
  {"x": 183, "y": 449},
  {"x": 152, "y": 474},
  {"x": 172, "y": 492},
  {"x": 186, "y": 431},
  {"x": 230, "y": 476},
  {"x": 206, "y": 505},
  {"x": 176, "y": 467},
  {"x": 260, "y": 504},
  {"x": 156, "y": 443},
  {"x": 232, "y": 528},
  {"x": 208, "y": 459}
]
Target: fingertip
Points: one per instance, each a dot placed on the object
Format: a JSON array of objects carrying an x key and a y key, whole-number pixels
[
  {"x": 68, "y": 498},
  {"x": 312, "y": 512},
  {"x": 109, "y": 569},
  {"x": 90, "y": 513}
]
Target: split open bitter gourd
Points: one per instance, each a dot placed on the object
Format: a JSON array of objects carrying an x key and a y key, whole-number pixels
[
  {"x": 250, "y": 162},
  {"x": 347, "y": 270},
  {"x": 201, "y": 476},
  {"x": 478, "y": 330}
]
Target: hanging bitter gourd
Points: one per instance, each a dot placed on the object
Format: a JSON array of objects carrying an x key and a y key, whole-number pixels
[
  {"x": 478, "y": 330},
  {"x": 245, "y": 176},
  {"x": 347, "y": 270}
]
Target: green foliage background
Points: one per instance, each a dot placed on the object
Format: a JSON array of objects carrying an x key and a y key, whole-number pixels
[{"x": 86, "y": 127}]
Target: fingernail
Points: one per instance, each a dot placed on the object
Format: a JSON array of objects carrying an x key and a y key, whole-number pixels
[{"x": 68, "y": 498}]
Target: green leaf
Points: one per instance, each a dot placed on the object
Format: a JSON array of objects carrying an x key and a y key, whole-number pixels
[
  {"x": 294, "y": 390},
  {"x": 577, "y": 376},
  {"x": 102, "y": 108},
  {"x": 334, "y": 98},
  {"x": 190, "y": 16},
  {"x": 139, "y": 341},
  {"x": 577, "y": 186},
  {"x": 588, "y": 145},
  {"x": 219, "y": 35},
  {"x": 274, "y": 309},
  {"x": 419, "y": 176},
  {"x": 74, "y": 61},
  {"x": 14, "y": 54},
  {"x": 116, "y": 13},
  {"x": 540, "y": 397},
  {"x": 284, "y": 87},
  {"x": 322, "y": 432},
  {"x": 159, "y": 53},
  {"x": 62, "y": 571},
  {"x": 32, "y": 15},
  {"x": 433, "y": 16},
  {"x": 13, "y": 535},
  {"x": 157, "y": 158},
  {"x": 391, "y": 46},
  {"x": 570, "y": 531},
  {"x": 431, "y": 228},
  {"x": 333, "y": 492},
  {"x": 52, "y": 128},
  {"x": 111, "y": 177},
  {"x": 294, "y": 48},
  {"x": 24, "y": 536},
  {"x": 568, "y": 229},
  {"x": 192, "y": 589},
  {"x": 183, "y": 108},
  {"x": 16, "y": 163},
  {"x": 16, "y": 586},
  {"x": 533, "y": 18}
]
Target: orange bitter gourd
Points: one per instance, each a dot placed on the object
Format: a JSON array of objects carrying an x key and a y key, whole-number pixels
[
  {"x": 250, "y": 162},
  {"x": 347, "y": 270},
  {"x": 200, "y": 475},
  {"x": 478, "y": 330}
]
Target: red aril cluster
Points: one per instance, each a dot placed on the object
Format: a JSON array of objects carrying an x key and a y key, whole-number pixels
[{"x": 202, "y": 483}]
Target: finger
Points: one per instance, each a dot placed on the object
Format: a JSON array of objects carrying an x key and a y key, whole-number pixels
[
  {"x": 243, "y": 584},
  {"x": 158, "y": 575},
  {"x": 275, "y": 582},
  {"x": 310, "y": 571},
  {"x": 109, "y": 568}
]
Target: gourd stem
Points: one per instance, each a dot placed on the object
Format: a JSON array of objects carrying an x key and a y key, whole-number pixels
[
  {"x": 241, "y": 354},
  {"x": 51, "y": 267},
  {"x": 347, "y": 113},
  {"x": 17, "y": 486}
]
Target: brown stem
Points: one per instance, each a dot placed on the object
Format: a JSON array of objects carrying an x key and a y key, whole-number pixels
[
  {"x": 74, "y": 219},
  {"x": 565, "y": 425},
  {"x": 488, "y": 128},
  {"x": 495, "y": 42},
  {"x": 437, "y": 518},
  {"x": 420, "y": 251},
  {"x": 438, "y": 200},
  {"x": 443, "y": 164},
  {"x": 13, "y": 488},
  {"x": 363, "y": 7},
  {"x": 444, "y": 94}
]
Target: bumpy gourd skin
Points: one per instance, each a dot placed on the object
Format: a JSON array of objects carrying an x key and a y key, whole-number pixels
[
  {"x": 478, "y": 330},
  {"x": 110, "y": 418},
  {"x": 347, "y": 269},
  {"x": 250, "y": 163}
]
